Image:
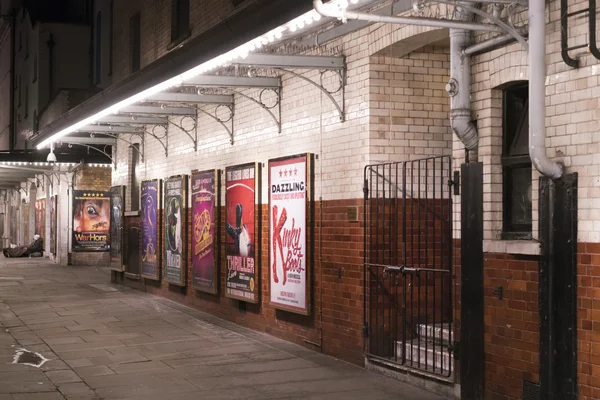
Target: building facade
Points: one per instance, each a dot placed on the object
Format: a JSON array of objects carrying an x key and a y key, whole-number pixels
[
  {"x": 426, "y": 255},
  {"x": 54, "y": 58}
]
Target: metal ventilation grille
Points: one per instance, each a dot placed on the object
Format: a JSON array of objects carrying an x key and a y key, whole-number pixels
[{"x": 531, "y": 391}]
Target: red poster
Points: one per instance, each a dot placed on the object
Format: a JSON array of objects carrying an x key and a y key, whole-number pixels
[
  {"x": 242, "y": 232},
  {"x": 40, "y": 217}
]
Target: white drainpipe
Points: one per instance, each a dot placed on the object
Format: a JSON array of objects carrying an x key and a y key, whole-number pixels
[
  {"x": 459, "y": 86},
  {"x": 537, "y": 92}
]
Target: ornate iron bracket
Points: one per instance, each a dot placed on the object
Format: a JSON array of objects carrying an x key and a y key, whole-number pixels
[
  {"x": 24, "y": 189},
  {"x": 221, "y": 121},
  {"x": 191, "y": 133},
  {"x": 329, "y": 93},
  {"x": 129, "y": 142},
  {"x": 110, "y": 156},
  {"x": 263, "y": 105},
  {"x": 163, "y": 140}
]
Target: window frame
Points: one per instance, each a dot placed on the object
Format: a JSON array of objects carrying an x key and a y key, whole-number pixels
[
  {"x": 135, "y": 32},
  {"x": 513, "y": 162},
  {"x": 180, "y": 26}
]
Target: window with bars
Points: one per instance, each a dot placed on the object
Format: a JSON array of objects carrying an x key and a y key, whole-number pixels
[
  {"x": 135, "y": 35},
  {"x": 516, "y": 164},
  {"x": 180, "y": 19}
]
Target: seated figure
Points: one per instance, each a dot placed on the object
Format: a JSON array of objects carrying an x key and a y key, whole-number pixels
[{"x": 36, "y": 246}]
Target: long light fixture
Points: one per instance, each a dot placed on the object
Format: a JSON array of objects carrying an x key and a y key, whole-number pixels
[
  {"x": 48, "y": 164},
  {"x": 239, "y": 52}
]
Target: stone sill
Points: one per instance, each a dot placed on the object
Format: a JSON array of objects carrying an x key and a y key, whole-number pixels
[
  {"x": 131, "y": 214},
  {"x": 527, "y": 247}
]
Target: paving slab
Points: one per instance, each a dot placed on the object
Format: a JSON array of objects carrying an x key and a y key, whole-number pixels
[{"x": 107, "y": 342}]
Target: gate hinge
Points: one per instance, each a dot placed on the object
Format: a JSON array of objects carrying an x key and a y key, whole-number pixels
[
  {"x": 366, "y": 189},
  {"x": 366, "y": 330},
  {"x": 455, "y": 183}
]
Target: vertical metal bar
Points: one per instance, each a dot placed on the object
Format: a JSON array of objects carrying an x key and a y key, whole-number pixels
[
  {"x": 419, "y": 211},
  {"x": 450, "y": 265},
  {"x": 412, "y": 219},
  {"x": 435, "y": 238},
  {"x": 403, "y": 262},
  {"x": 378, "y": 244},
  {"x": 396, "y": 215},
  {"x": 388, "y": 212},
  {"x": 365, "y": 205},
  {"x": 427, "y": 266},
  {"x": 418, "y": 322},
  {"x": 371, "y": 261}
]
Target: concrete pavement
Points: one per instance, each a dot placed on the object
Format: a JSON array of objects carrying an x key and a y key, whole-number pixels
[{"x": 105, "y": 341}]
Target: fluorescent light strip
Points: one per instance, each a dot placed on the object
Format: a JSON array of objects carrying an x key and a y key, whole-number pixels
[
  {"x": 240, "y": 52},
  {"x": 47, "y": 164}
]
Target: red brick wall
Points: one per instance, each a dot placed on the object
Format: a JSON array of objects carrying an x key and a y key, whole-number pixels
[
  {"x": 336, "y": 317},
  {"x": 588, "y": 320},
  {"x": 511, "y": 324}
]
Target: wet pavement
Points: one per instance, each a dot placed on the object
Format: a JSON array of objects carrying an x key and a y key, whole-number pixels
[{"x": 68, "y": 333}]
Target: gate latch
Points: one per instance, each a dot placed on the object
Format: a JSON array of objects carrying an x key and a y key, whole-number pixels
[{"x": 455, "y": 182}]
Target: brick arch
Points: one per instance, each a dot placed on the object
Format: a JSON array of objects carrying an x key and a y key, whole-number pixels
[
  {"x": 403, "y": 40},
  {"x": 510, "y": 67}
]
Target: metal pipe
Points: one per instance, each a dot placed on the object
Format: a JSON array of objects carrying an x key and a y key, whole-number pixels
[
  {"x": 459, "y": 86},
  {"x": 345, "y": 15},
  {"x": 493, "y": 43},
  {"x": 537, "y": 92}
]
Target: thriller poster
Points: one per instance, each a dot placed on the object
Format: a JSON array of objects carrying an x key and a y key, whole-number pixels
[
  {"x": 205, "y": 217},
  {"x": 53, "y": 221},
  {"x": 175, "y": 211},
  {"x": 117, "y": 204},
  {"x": 40, "y": 218},
  {"x": 150, "y": 246},
  {"x": 91, "y": 220},
  {"x": 242, "y": 231},
  {"x": 289, "y": 201}
]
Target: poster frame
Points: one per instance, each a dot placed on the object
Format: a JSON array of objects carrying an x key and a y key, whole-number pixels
[
  {"x": 106, "y": 194},
  {"x": 257, "y": 229},
  {"x": 217, "y": 240},
  {"x": 39, "y": 206},
  {"x": 182, "y": 282},
  {"x": 158, "y": 231},
  {"x": 308, "y": 233},
  {"x": 121, "y": 193}
]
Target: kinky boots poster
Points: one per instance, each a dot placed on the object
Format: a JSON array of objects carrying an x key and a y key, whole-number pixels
[
  {"x": 91, "y": 220},
  {"x": 175, "y": 213},
  {"x": 289, "y": 251},
  {"x": 205, "y": 220},
  {"x": 242, "y": 222}
]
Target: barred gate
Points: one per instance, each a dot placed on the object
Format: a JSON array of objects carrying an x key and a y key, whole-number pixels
[{"x": 408, "y": 264}]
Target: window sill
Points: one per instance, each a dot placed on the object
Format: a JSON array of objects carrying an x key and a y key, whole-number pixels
[
  {"x": 175, "y": 43},
  {"x": 526, "y": 247},
  {"x": 131, "y": 213}
]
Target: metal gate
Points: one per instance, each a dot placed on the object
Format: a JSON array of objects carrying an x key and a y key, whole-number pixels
[{"x": 408, "y": 264}]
